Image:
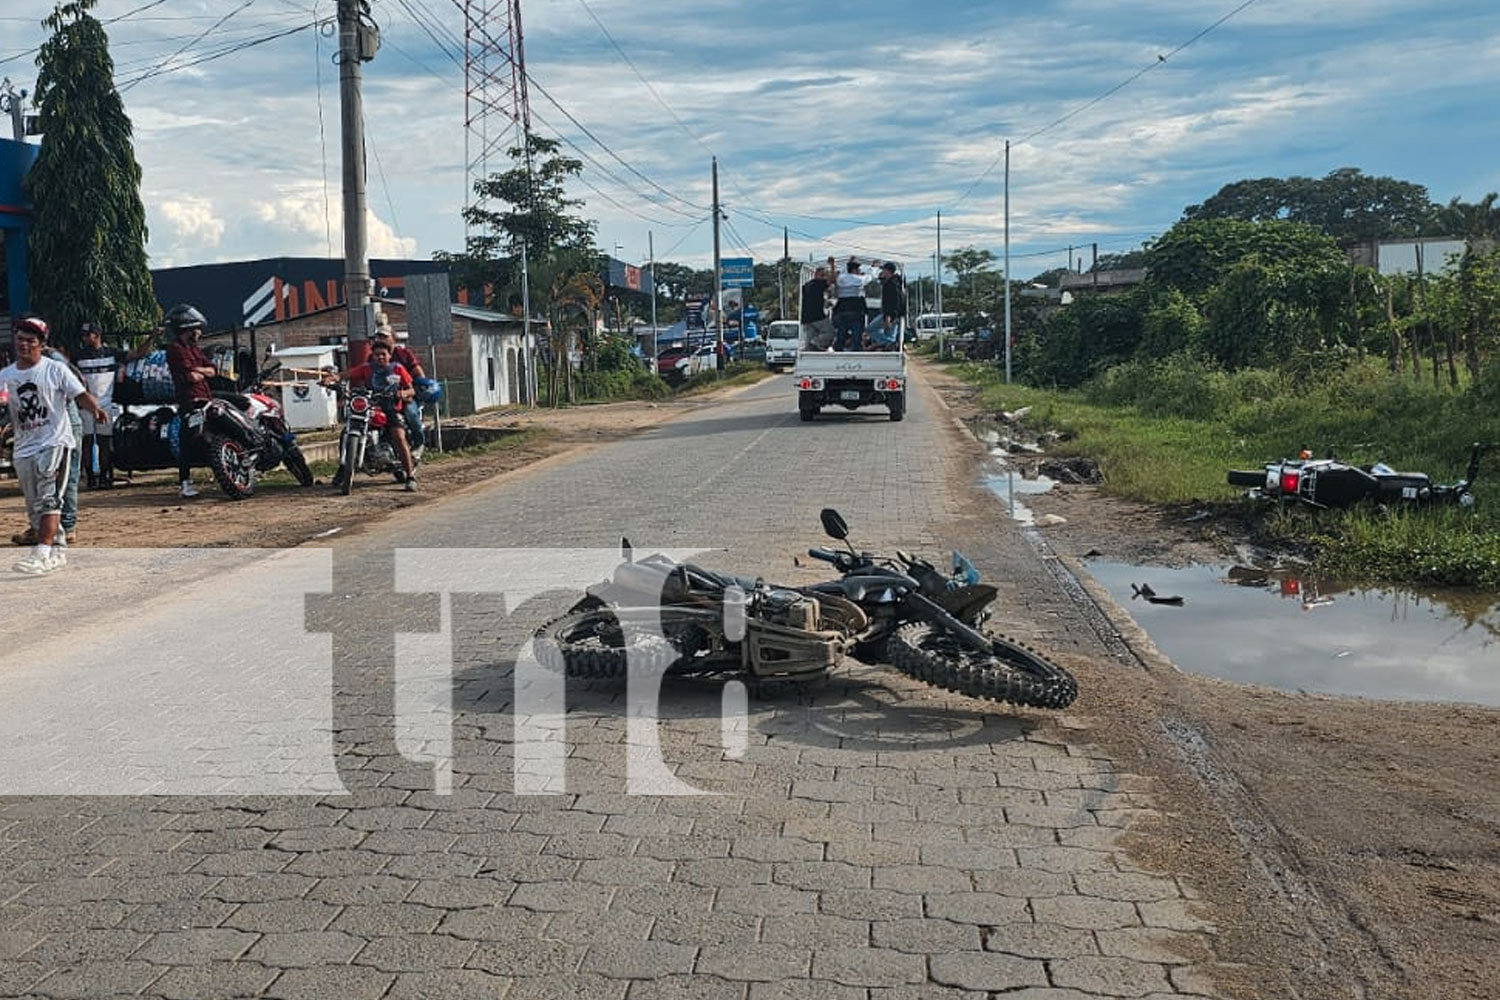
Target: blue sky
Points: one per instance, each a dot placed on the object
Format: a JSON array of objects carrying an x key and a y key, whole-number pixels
[{"x": 851, "y": 123}]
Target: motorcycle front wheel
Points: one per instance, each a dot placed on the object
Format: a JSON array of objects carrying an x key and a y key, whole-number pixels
[
  {"x": 591, "y": 644},
  {"x": 233, "y": 466},
  {"x": 1010, "y": 672},
  {"x": 351, "y": 459}
]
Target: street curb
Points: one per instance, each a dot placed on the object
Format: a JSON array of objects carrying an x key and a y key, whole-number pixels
[{"x": 1127, "y": 629}]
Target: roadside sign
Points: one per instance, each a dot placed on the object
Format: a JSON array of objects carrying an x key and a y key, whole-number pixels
[
  {"x": 696, "y": 304},
  {"x": 738, "y": 272},
  {"x": 429, "y": 310}
]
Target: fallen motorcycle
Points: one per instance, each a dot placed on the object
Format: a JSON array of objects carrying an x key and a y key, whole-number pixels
[
  {"x": 1328, "y": 482},
  {"x": 660, "y": 615}
]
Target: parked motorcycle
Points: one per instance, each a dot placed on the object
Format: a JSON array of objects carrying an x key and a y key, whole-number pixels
[
  {"x": 1328, "y": 482},
  {"x": 236, "y": 435},
  {"x": 657, "y": 614},
  {"x": 364, "y": 445}
]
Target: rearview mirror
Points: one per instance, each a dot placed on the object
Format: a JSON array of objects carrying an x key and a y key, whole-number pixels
[{"x": 834, "y": 524}]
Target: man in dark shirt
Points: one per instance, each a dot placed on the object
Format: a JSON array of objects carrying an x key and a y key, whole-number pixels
[
  {"x": 892, "y": 311},
  {"x": 817, "y": 328},
  {"x": 191, "y": 371}
]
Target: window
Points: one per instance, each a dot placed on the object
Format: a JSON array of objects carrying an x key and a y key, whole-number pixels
[{"x": 489, "y": 367}]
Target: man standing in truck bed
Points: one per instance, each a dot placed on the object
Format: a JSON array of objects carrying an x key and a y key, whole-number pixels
[{"x": 817, "y": 329}]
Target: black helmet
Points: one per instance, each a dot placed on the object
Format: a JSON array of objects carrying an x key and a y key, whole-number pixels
[{"x": 184, "y": 317}]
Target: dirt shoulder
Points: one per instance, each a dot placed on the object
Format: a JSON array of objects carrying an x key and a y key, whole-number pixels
[
  {"x": 1351, "y": 848},
  {"x": 147, "y": 512}
]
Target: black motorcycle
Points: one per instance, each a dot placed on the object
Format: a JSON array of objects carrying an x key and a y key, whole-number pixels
[
  {"x": 1328, "y": 482},
  {"x": 678, "y": 618}
]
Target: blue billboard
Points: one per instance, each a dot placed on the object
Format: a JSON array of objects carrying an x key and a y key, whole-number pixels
[{"x": 737, "y": 272}]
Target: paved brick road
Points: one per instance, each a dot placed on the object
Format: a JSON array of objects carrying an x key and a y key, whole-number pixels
[{"x": 871, "y": 839}]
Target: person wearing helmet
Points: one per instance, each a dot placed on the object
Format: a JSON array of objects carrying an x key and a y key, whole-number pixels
[
  {"x": 191, "y": 371},
  {"x": 39, "y": 389}
]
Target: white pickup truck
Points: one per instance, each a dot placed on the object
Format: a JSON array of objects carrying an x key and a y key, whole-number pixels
[{"x": 851, "y": 379}]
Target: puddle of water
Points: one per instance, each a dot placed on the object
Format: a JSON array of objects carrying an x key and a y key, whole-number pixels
[
  {"x": 1295, "y": 633},
  {"x": 1008, "y": 484}
]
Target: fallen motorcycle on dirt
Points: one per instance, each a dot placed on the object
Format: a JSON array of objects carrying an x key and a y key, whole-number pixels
[
  {"x": 1328, "y": 482},
  {"x": 656, "y": 614}
]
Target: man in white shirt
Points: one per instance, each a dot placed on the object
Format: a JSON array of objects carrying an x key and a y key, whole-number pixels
[
  {"x": 849, "y": 307},
  {"x": 39, "y": 389}
]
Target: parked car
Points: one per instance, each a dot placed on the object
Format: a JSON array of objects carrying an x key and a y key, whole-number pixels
[{"x": 667, "y": 358}]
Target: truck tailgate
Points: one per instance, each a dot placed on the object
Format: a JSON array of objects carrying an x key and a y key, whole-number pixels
[{"x": 850, "y": 364}]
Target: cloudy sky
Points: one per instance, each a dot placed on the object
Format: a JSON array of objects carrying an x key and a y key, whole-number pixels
[{"x": 852, "y": 124}]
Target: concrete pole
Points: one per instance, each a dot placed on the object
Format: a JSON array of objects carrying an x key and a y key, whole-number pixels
[
  {"x": 651, "y": 254},
  {"x": 356, "y": 263},
  {"x": 718, "y": 278},
  {"x": 938, "y": 265},
  {"x": 1007, "y": 260}
]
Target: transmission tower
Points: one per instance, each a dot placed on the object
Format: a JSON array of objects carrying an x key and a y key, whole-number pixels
[{"x": 497, "y": 109}]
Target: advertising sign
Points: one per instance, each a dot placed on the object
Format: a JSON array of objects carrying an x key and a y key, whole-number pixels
[
  {"x": 738, "y": 272},
  {"x": 429, "y": 316},
  {"x": 696, "y": 305}
]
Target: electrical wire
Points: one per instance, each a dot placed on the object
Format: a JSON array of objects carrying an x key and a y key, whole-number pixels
[
  {"x": 1160, "y": 61},
  {"x": 198, "y": 38},
  {"x": 322, "y": 134}
]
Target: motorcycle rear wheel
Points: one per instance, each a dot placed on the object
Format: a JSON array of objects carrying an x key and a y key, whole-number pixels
[
  {"x": 591, "y": 645},
  {"x": 1012, "y": 672},
  {"x": 232, "y": 464},
  {"x": 296, "y": 464}
]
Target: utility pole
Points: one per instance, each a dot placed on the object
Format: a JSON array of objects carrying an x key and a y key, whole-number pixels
[
  {"x": 358, "y": 40},
  {"x": 718, "y": 278},
  {"x": 786, "y": 255},
  {"x": 651, "y": 253},
  {"x": 1007, "y": 260},
  {"x": 13, "y": 100},
  {"x": 938, "y": 270}
]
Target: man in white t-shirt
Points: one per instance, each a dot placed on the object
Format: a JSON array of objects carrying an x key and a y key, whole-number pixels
[
  {"x": 848, "y": 307},
  {"x": 39, "y": 389}
]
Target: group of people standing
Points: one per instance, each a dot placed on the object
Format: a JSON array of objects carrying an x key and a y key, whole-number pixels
[{"x": 844, "y": 327}]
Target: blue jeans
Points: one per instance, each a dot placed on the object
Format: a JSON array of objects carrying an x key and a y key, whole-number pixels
[
  {"x": 848, "y": 328},
  {"x": 70, "y": 498},
  {"x": 415, "y": 435}
]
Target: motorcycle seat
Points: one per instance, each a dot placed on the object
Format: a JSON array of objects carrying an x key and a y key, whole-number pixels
[{"x": 238, "y": 399}]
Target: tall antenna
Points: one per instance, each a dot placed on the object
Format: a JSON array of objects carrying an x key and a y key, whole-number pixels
[{"x": 497, "y": 107}]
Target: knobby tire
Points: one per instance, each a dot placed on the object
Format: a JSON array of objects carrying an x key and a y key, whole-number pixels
[
  {"x": 591, "y": 645},
  {"x": 227, "y": 459},
  {"x": 1012, "y": 672},
  {"x": 296, "y": 464}
]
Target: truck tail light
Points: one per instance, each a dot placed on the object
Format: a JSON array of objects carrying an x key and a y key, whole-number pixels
[
  {"x": 891, "y": 385},
  {"x": 810, "y": 383}
]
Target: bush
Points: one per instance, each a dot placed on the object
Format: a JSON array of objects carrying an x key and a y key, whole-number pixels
[{"x": 629, "y": 383}]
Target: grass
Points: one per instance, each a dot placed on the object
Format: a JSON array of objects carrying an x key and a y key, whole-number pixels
[
  {"x": 1167, "y": 433},
  {"x": 736, "y": 373}
]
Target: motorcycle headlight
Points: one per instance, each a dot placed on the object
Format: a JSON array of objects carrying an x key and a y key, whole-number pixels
[{"x": 359, "y": 404}]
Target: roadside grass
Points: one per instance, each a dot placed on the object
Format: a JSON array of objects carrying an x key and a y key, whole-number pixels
[{"x": 1167, "y": 433}]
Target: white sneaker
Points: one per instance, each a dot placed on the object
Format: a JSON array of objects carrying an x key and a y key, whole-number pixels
[
  {"x": 37, "y": 564},
  {"x": 188, "y": 490}
]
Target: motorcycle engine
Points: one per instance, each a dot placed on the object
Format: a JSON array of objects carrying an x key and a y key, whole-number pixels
[
  {"x": 790, "y": 609},
  {"x": 381, "y": 456}
]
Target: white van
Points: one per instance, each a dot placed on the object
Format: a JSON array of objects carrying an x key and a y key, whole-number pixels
[
  {"x": 930, "y": 325},
  {"x": 782, "y": 339}
]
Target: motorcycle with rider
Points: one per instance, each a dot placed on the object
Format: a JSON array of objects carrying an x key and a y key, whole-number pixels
[{"x": 374, "y": 440}]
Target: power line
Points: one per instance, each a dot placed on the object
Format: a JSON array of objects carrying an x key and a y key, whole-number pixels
[
  {"x": 1159, "y": 61},
  {"x": 322, "y": 135},
  {"x": 198, "y": 38}
]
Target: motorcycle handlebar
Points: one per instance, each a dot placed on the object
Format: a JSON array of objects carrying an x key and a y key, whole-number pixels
[{"x": 827, "y": 555}]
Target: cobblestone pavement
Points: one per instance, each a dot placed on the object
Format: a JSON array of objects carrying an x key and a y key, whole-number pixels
[{"x": 869, "y": 838}]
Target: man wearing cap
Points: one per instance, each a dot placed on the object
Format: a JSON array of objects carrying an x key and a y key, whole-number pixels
[
  {"x": 416, "y": 435},
  {"x": 101, "y": 367},
  {"x": 40, "y": 388},
  {"x": 885, "y": 335}
]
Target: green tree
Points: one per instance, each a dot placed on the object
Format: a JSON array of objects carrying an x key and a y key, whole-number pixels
[
  {"x": 1348, "y": 204},
  {"x": 88, "y": 235},
  {"x": 1195, "y": 255}
]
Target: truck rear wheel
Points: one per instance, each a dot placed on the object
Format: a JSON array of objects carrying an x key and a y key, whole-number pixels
[
  {"x": 897, "y": 403},
  {"x": 807, "y": 413}
]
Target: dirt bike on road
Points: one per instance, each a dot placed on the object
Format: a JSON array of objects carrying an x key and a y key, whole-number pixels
[{"x": 683, "y": 619}]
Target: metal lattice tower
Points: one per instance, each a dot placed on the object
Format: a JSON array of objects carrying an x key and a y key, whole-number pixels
[{"x": 497, "y": 108}]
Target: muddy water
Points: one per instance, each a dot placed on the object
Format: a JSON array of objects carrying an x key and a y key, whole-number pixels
[{"x": 1298, "y": 633}]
